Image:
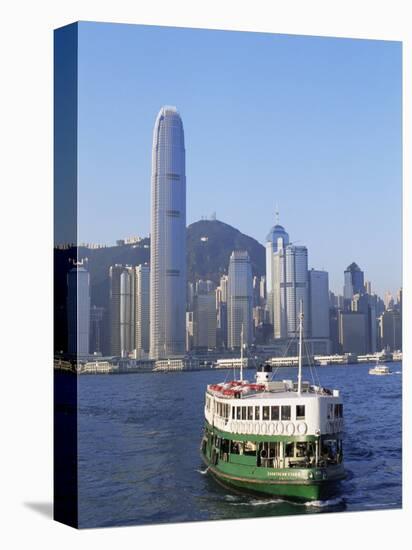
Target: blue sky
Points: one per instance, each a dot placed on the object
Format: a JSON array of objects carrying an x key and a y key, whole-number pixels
[{"x": 310, "y": 124}]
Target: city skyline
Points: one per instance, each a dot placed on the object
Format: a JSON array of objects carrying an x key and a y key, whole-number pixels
[{"x": 332, "y": 104}]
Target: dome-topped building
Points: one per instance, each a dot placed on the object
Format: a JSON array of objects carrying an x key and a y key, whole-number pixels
[
  {"x": 276, "y": 238},
  {"x": 277, "y": 232}
]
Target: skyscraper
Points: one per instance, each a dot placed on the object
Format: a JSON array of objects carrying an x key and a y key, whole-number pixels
[
  {"x": 168, "y": 237},
  {"x": 122, "y": 310},
  {"x": 240, "y": 299},
  {"x": 276, "y": 239},
  {"x": 319, "y": 303},
  {"x": 142, "y": 305},
  {"x": 289, "y": 286},
  {"x": 78, "y": 310},
  {"x": 353, "y": 283},
  {"x": 204, "y": 320}
]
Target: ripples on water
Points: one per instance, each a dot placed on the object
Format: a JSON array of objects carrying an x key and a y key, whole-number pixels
[{"x": 139, "y": 437}]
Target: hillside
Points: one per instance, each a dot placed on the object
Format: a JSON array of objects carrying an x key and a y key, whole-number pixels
[{"x": 209, "y": 245}]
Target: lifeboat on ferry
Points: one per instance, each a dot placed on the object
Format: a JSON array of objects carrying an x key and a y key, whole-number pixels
[{"x": 257, "y": 387}]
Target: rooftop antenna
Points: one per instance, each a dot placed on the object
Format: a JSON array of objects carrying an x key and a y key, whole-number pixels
[
  {"x": 277, "y": 214},
  {"x": 300, "y": 347}
]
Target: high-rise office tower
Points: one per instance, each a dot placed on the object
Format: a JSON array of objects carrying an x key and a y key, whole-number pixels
[
  {"x": 78, "y": 310},
  {"x": 290, "y": 286},
  {"x": 391, "y": 330},
  {"x": 224, "y": 281},
  {"x": 168, "y": 237},
  {"x": 276, "y": 239},
  {"x": 319, "y": 303},
  {"x": 366, "y": 304},
  {"x": 204, "y": 320},
  {"x": 353, "y": 283},
  {"x": 96, "y": 329},
  {"x": 122, "y": 310},
  {"x": 240, "y": 299},
  {"x": 352, "y": 332},
  {"x": 296, "y": 282},
  {"x": 142, "y": 309}
]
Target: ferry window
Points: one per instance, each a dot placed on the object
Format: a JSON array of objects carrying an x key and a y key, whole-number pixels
[
  {"x": 243, "y": 413},
  {"x": 289, "y": 449},
  {"x": 249, "y": 448},
  {"x": 238, "y": 413},
  {"x": 285, "y": 412},
  {"x": 274, "y": 413},
  {"x": 233, "y": 413},
  {"x": 301, "y": 449},
  {"x": 236, "y": 447},
  {"x": 257, "y": 413},
  {"x": 330, "y": 410},
  {"x": 300, "y": 412},
  {"x": 339, "y": 411},
  {"x": 265, "y": 413},
  {"x": 250, "y": 413}
]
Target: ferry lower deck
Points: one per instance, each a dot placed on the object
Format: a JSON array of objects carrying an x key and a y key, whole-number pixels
[{"x": 296, "y": 467}]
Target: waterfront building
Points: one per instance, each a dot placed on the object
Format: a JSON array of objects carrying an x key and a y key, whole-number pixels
[
  {"x": 122, "y": 310},
  {"x": 353, "y": 284},
  {"x": 319, "y": 303},
  {"x": 189, "y": 330},
  {"x": 352, "y": 332},
  {"x": 204, "y": 320},
  {"x": 390, "y": 324},
  {"x": 142, "y": 310},
  {"x": 276, "y": 238},
  {"x": 96, "y": 329},
  {"x": 168, "y": 237},
  {"x": 240, "y": 296},
  {"x": 366, "y": 304},
  {"x": 221, "y": 325},
  {"x": 78, "y": 310}
]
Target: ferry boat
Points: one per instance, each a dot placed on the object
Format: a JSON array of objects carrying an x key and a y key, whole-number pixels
[
  {"x": 280, "y": 438},
  {"x": 379, "y": 370}
]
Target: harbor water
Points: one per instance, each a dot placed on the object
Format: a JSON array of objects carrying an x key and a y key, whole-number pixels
[{"x": 139, "y": 437}]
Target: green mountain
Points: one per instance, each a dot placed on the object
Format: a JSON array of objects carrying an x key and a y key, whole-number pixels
[{"x": 209, "y": 246}]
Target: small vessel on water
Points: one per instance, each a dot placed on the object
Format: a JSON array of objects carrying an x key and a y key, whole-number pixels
[
  {"x": 380, "y": 370},
  {"x": 280, "y": 438}
]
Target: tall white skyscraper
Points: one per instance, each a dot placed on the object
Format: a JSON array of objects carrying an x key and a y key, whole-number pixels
[
  {"x": 78, "y": 310},
  {"x": 142, "y": 305},
  {"x": 276, "y": 239},
  {"x": 240, "y": 299},
  {"x": 168, "y": 237}
]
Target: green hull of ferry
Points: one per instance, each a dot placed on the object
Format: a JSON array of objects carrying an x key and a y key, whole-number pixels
[{"x": 243, "y": 473}]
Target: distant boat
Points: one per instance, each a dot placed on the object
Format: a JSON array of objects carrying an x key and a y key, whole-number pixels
[{"x": 379, "y": 369}]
